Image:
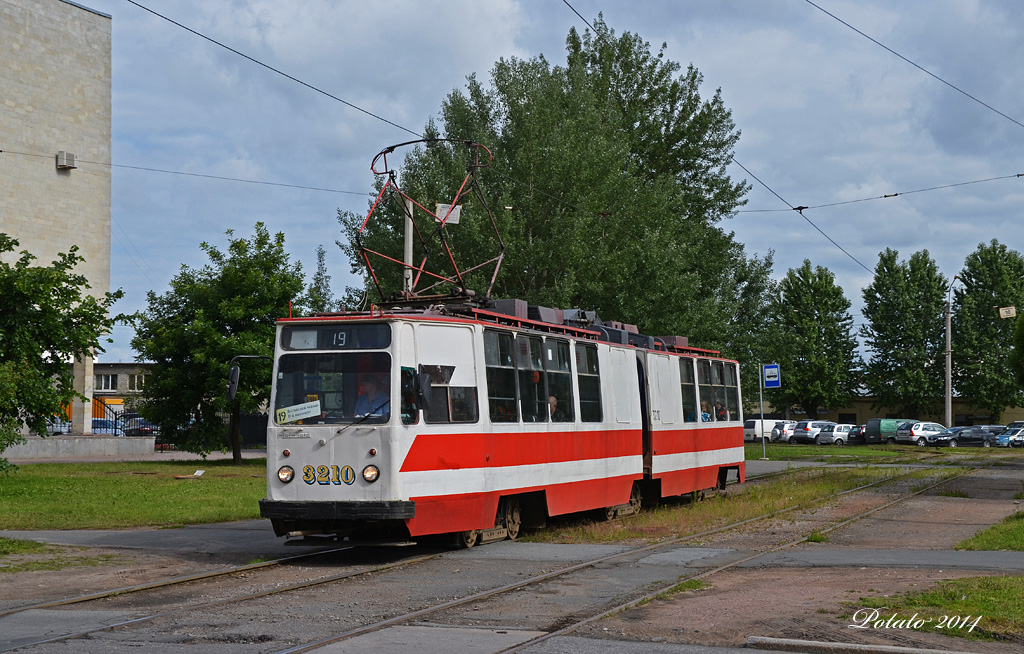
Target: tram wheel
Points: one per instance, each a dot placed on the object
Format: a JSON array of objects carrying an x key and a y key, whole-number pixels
[
  {"x": 467, "y": 539},
  {"x": 511, "y": 516}
]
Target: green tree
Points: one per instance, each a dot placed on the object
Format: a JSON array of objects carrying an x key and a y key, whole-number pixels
[
  {"x": 992, "y": 277},
  {"x": 47, "y": 321},
  {"x": 209, "y": 315},
  {"x": 1017, "y": 354},
  {"x": 607, "y": 186},
  {"x": 905, "y": 308},
  {"x": 819, "y": 362},
  {"x": 319, "y": 296}
]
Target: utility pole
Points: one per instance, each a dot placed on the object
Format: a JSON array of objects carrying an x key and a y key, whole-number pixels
[{"x": 949, "y": 355}]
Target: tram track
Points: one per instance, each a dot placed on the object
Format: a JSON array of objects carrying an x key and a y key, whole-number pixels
[
  {"x": 413, "y": 615},
  {"x": 491, "y": 593}
]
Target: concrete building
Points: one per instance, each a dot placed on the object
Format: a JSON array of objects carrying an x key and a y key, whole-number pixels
[{"x": 55, "y": 108}]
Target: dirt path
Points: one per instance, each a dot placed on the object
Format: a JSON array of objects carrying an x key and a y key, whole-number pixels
[{"x": 819, "y": 603}]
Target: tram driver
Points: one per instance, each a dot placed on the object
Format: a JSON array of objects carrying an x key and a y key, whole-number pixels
[{"x": 371, "y": 401}]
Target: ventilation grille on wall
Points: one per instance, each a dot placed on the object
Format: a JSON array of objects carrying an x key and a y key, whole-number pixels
[{"x": 66, "y": 160}]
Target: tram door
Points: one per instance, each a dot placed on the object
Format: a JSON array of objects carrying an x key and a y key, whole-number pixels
[{"x": 645, "y": 419}]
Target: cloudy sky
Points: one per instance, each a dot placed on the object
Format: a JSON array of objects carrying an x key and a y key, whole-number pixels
[{"x": 828, "y": 117}]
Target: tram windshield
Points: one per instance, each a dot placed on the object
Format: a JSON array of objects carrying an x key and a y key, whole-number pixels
[{"x": 330, "y": 388}]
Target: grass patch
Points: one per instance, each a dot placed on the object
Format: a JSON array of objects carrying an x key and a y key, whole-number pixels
[
  {"x": 835, "y": 454},
  {"x": 683, "y": 587},
  {"x": 817, "y": 537},
  {"x": 953, "y": 492},
  {"x": 30, "y": 556},
  {"x": 678, "y": 517},
  {"x": 995, "y": 599},
  {"x": 1008, "y": 535},
  {"x": 132, "y": 494},
  {"x": 9, "y": 546}
]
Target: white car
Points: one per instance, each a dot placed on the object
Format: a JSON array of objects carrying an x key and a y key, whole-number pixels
[
  {"x": 756, "y": 429},
  {"x": 910, "y": 433}
]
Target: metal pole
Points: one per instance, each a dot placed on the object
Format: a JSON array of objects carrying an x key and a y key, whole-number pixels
[
  {"x": 760, "y": 394},
  {"x": 407, "y": 275},
  {"x": 949, "y": 355},
  {"x": 949, "y": 369}
]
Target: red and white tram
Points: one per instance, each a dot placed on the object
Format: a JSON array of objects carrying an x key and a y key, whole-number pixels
[{"x": 474, "y": 421}]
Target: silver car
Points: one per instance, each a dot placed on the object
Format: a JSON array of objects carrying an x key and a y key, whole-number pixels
[
  {"x": 910, "y": 433},
  {"x": 806, "y": 431},
  {"x": 782, "y": 431},
  {"x": 838, "y": 434}
]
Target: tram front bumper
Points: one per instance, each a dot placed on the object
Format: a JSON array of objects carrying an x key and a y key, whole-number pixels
[{"x": 329, "y": 511}]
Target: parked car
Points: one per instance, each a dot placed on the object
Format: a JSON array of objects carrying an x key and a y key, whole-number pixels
[
  {"x": 838, "y": 434},
  {"x": 782, "y": 430},
  {"x": 807, "y": 430},
  {"x": 910, "y": 433},
  {"x": 963, "y": 437},
  {"x": 133, "y": 424},
  {"x": 58, "y": 425},
  {"x": 1016, "y": 424},
  {"x": 856, "y": 435},
  {"x": 104, "y": 426},
  {"x": 755, "y": 429},
  {"x": 995, "y": 429},
  {"x": 882, "y": 430},
  {"x": 1011, "y": 437}
]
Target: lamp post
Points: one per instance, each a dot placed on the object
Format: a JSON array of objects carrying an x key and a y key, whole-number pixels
[{"x": 949, "y": 355}]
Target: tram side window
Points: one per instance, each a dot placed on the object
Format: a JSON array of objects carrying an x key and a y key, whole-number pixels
[
  {"x": 533, "y": 396},
  {"x": 707, "y": 396},
  {"x": 589, "y": 379},
  {"x": 719, "y": 410},
  {"x": 410, "y": 403},
  {"x": 559, "y": 376},
  {"x": 452, "y": 404},
  {"x": 501, "y": 377},
  {"x": 688, "y": 389},
  {"x": 732, "y": 394}
]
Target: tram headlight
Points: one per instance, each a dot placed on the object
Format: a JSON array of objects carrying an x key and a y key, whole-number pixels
[
  {"x": 371, "y": 473},
  {"x": 286, "y": 474}
]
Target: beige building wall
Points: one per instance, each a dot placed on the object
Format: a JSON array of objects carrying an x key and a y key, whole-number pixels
[{"x": 55, "y": 96}]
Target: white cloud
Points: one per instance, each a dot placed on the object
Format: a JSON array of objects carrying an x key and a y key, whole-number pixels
[{"x": 826, "y": 116}]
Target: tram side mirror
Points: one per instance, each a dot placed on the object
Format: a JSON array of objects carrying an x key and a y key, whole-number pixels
[{"x": 232, "y": 383}]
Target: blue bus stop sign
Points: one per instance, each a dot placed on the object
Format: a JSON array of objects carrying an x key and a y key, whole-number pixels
[{"x": 771, "y": 376}]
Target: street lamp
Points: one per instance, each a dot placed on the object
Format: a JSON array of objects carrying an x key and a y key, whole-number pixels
[{"x": 949, "y": 355}]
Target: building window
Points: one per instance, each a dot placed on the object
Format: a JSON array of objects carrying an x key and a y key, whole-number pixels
[
  {"x": 106, "y": 383},
  {"x": 136, "y": 382}
]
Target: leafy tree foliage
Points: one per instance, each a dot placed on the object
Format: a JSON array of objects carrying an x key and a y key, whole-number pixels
[
  {"x": 607, "y": 186},
  {"x": 190, "y": 333},
  {"x": 905, "y": 308},
  {"x": 819, "y": 362},
  {"x": 319, "y": 296},
  {"x": 1017, "y": 354},
  {"x": 47, "y": 321},
  {"x": 993, "y": 277}
]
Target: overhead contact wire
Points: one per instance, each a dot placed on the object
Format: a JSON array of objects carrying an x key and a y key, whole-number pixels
[
  {"x": 271, "y": 68},
  {"x": 920, "y": 68}
]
